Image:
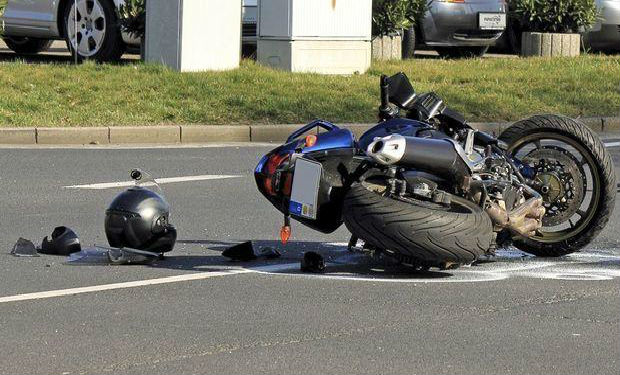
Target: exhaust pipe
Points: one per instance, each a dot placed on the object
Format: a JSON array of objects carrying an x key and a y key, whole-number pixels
[{"x": 436, "y": 156}]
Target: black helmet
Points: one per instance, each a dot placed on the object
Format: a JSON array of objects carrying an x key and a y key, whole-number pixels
[
  {"x": 63, "y": 241},
  {"x": 138, "y": 219}
]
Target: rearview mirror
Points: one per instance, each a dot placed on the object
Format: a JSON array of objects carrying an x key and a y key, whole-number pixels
[{"x": 401, "y": 92}]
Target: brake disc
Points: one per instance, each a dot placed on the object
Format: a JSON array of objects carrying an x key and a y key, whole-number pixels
[{"x": 560, "y": 180}]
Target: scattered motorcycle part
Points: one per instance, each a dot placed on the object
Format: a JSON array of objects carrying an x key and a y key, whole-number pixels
[
  {"x": 242, "y": 252},
  {"x": 312, "y": 262},
  {"x": 106, "y": 256},
  {"x": 63, "y": 241},
  {"x": 138, "y": 218},
  {"x": 269, "y": 253},
  {"x": 131, "y": 256},
  {"x": 24, "y": 248},
  {"x": 246, "y": 251}
]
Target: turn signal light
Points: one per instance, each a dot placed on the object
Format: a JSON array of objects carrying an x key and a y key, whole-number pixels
[
  {"x": 310, "y": 140},
  {"x": 285, "y": 234}
]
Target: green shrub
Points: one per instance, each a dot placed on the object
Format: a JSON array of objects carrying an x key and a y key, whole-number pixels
[
  {"x": 392, "y": 16},
  {"x": 132, "y": 16},
  {"x": 557, "y": 16}
]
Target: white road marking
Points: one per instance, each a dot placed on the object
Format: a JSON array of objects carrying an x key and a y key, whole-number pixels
[
  {"x": 169, "y": 180},
  {"x": 504, "y": 268},
  {"x": 612, "y": 144},
  {"x": 125, "y": 285},
  {"x": 138, "y": 146}
]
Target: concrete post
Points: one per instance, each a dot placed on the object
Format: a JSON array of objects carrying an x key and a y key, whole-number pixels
[{"x": 194, "y": 35}]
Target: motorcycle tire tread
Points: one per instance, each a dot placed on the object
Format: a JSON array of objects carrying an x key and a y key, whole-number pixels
[
  {"x": 428, "y": 237},
  {"x": 583, "y": 134}
]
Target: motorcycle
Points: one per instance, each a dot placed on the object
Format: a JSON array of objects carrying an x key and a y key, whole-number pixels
[{"x": 427, "y": 188}]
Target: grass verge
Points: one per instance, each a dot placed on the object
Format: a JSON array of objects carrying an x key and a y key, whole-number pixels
[{"x": 483, "y": 89}]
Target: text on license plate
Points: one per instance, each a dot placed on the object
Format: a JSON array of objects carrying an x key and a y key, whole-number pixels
[{"x": 492, "y": 21}]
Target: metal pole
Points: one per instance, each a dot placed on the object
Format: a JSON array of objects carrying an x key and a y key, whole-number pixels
[{"x": 75, "y": 31}]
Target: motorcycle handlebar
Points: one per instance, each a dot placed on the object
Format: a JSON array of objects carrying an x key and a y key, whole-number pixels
[{"x": 385, "y": 92}]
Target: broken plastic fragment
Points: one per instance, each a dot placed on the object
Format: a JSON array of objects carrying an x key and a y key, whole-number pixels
[
  {"x": 269, "y": 253},
  {"x": 245, "y": 252},
  {"x": 241, "y": 252},
  {"x": 131, "y": 256},
  {"x": 24, "y": 248},
  {"x": 313, "y": 262},
  {"x": 62, "y": 241},
  {"x": 102, "y": 255}
]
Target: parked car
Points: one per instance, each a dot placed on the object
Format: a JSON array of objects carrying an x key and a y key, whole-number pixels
[
  {"x": 458, "y": 28},
  {"x": 31, "y": 26},
  {"x": 605, "y": 34}
]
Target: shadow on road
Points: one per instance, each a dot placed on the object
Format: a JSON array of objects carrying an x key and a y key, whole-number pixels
[{"x": 338, "y": 259}]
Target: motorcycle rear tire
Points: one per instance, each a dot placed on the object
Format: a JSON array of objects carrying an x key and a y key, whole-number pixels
[{"x": 412, "y": 229}]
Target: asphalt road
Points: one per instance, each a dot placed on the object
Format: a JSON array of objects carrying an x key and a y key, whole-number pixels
[{"x": 514, "y": 315}]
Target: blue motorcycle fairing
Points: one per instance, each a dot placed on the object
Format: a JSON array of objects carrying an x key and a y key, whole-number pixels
[
  {"x": 329, "y": 140},
  {"x": 401, "y": 126}
]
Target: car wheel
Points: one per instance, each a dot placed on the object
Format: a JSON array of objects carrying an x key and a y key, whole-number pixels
[
  {"x": 461, "y": 52},
  {"x": 409, "y": 43},
  {"x": 93, "y": 32},
  {"x": 26, "y": 45}
]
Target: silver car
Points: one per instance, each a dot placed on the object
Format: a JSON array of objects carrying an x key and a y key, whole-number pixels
[
  {"x": 92, "y": 31},
  {"x": 605, "y": 34},
  {"x": 459, "y": 28},
  {"x": 30, "y": 26}
]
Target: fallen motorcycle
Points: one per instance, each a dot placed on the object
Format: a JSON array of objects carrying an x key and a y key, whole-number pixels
[{"x": 432, "y": 191}]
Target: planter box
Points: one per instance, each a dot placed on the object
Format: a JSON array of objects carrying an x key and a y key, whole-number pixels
[
  {"x": 319, "y": 36},
  {"x": 194, "y": 35},
  {"x": 550, "y": 44},
  {"x": 387, "y": 48}
]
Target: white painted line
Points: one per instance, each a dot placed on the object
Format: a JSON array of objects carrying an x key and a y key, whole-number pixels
[
  {"x": 138, "y": 146},
  {"x": 169, "y": 180},
  {"x": 612, "y": 144},
  {"x": 125, "y": 285}
]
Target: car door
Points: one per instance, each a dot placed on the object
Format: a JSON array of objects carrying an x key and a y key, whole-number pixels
[{"x": 33, "y": 18}]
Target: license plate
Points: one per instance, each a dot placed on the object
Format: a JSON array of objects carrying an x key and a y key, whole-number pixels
[
  {"x": 305, "y": 190},
  {"x": 491, "y": 21}
]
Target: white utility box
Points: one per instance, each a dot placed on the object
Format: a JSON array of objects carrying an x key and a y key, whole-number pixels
[
  {"x": 320, "y": 36},
  {"x": 194, "y": 35}
]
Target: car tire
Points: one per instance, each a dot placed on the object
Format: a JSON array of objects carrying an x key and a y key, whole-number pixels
[
  {"x": 27, "y": 45},
  {"x": 461, "y": 52},
  {"x": 409, "y": 43},
  {"x": 418, "y": 231},
  {"x": 99, "y": 34}
]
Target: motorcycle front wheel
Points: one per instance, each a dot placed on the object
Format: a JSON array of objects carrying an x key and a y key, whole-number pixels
[
  {"x": 420, "y": 232},
  {"x": 574, "y": 174}
]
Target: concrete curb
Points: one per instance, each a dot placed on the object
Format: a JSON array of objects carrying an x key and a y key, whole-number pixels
[{"x": 173, "y": 134}]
